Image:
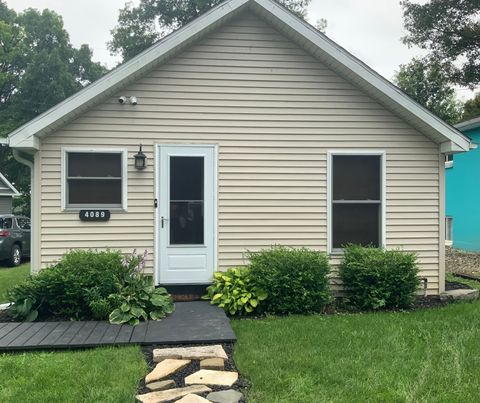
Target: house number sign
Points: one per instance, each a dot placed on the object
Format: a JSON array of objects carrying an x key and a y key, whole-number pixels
[{"x": 94, "y": 215}]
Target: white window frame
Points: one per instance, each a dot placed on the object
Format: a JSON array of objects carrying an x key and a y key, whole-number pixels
[
  {"x": 449, "y": 230},
  {"x": 124, "y": 159},
  {"x": 383, "y": 193},
  {"x": 448, "y": 163}
]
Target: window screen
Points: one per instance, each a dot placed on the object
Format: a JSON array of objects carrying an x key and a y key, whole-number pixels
[
  {"x": 356, "y": 200},
  {"x": 187, "y": 200},
  {"x": 94, "y": 179}
]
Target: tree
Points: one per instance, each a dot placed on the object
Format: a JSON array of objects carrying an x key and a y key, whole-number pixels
[
  {"x": 471, "y": 109},
  {"x": 39, "y": 67},
  {"x": 450, "y": 31},
  {"x": 139, "y": 27},
  {"x": 428, "y": 84}
]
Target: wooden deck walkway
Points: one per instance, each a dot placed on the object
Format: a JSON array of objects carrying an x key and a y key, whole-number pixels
[{"x": 192, "y": 322}]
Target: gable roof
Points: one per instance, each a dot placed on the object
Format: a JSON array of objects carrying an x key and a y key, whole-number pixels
[
  {"x": 6, "y": 188},
  {"x": 294, "y": 28},
  {"x": 469, "y": 124}
]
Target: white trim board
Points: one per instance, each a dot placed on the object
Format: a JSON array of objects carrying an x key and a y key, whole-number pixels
[
  {"x": 15, "y": 192},
  {"x": 312, "y": 40},
  {"x": 383, "y": 195}
]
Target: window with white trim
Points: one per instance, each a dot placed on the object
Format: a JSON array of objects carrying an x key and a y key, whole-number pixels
[
  {"x": 449, "y": 229},
  {"x": 94, "y": 179},
  {"x": 448, "y": 160},
  {"x": 356, "y": 200}
]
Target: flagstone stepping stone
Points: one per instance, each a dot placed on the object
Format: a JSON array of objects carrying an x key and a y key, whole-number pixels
[
  {"x": 189, "y": 353},
  {"x": 209, "y": 377},
  {"x": 217, "y": 364},
  {"x": 172, "y": 394},
  {"x": 166, "y": 368},
  {"x": 161, "y": 385},
  {"x": 225, "y": 396},
  {"x": 192, "y": 399}
]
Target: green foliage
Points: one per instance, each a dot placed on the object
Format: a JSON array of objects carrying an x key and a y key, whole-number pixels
[
  {"x": 138, "y": 299},
  {"x": 428, "y": 84},
  {"x": 235, "y": 292},
  {"x": 91, "y": 285},
  {"x": 64, "y": 289},
  {"x": 140, "y": 26},
  {"x": 471, "y": 109},
  {"x": 375, "y": 278},
  {"x": 296, "y": 280},
  {"x": 39, "y": 68},
  {"x": 450, "y": 31}
]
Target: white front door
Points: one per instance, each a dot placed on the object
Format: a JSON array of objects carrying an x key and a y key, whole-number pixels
[{"x": 186, "y": 214}]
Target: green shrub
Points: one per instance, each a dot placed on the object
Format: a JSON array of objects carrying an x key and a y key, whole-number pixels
[
  {"x": 375, "y": 278},
  {"x": 296, "y": 280},
  {"x": 235, "y": 292},
  {"x": 87, "y": 285},
  {"x": 64, "y": 289}
]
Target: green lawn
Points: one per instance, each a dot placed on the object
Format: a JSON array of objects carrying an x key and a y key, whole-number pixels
[
  {"x": 100, "y": 375},
  {"x": 10, "y": 277},
  {"x": 423, "y": 356}
]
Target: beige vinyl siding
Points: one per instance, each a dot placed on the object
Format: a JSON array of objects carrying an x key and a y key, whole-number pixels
[{"x": 274, "y": 112}]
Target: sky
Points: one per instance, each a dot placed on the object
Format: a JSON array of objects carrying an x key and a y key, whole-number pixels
[{"x": 370, "y": 29}]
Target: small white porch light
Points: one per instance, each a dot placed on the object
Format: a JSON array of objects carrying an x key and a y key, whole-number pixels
[{"x": 140, "y": 159}]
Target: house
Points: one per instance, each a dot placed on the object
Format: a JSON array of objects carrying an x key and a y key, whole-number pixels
[
  {"x": 7, "y": 193},
  {"x": 252, "y": 129},
  {"x": 463, "y": 193}
]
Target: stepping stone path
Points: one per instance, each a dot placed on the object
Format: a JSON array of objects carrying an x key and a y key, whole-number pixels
[
  {"x": 166, "y": 368},
  {"x": 212, "y": 364},
  {"x": 192, "y": 399},
  {"x": 218, "y": 364},
  {"x": 225, "y": 396},
  {"x": 172, "y": 394},
  {"x": 161, "y": 385},
  {"x": 190, "y": 353},
  {"x": 214, "y": 378}
]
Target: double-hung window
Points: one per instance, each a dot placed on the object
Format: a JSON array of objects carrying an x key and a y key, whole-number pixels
[
  {"x": 356, "y": 199},
  {"x": 94, "y": 179}
]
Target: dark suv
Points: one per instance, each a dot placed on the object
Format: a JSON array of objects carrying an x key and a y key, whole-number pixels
[{"x": 14, "y": 239}]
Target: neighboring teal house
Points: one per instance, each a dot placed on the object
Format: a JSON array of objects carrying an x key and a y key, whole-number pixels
[{"x": 463, "y": 193}]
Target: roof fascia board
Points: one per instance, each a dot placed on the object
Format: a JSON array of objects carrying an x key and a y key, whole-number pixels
[
  {"x": 359, "y": 69},
  {"x": 120, "y": 76},
  {"x": 12, "y": 188},
  {"x": 468, "y": 124}
]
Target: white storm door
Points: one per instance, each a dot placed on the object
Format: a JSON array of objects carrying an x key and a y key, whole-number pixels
[{"x": 186, "y": 214}]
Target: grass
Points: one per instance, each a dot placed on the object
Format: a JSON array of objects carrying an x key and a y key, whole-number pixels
[
  {"x": 472, "y": 283},
  {"x": 423, "y": 356},
  {"x": 101, "y": 375},
  {"x": 10, "y": 277}
]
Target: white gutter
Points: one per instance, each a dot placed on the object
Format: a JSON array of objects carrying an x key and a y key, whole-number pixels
[{"x": 30, "y": 164}]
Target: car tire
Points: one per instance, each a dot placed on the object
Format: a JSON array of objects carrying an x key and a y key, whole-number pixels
[{"x": 15, "y": 256}]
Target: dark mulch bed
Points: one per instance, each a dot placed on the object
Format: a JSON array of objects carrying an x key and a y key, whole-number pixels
[
  {"x": 453, "y": 285},
  {"x": 242, "y": 385}
]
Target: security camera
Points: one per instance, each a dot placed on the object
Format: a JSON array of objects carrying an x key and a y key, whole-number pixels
[
  {"x": 133, "y": 100},
  {"x": 122, "y": 100}
]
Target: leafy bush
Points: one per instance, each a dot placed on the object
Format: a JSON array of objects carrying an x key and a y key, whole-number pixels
[
  {"x": 295, "y": 279},
  {"x": 89, "y": 285},
  {"x": 137, "y": 298},
  {"x": 375, "y": 278},
  {"x": 235, "y": 292}
]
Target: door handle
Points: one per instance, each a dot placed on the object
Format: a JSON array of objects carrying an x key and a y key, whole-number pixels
[{"x": 163, "y": 220}]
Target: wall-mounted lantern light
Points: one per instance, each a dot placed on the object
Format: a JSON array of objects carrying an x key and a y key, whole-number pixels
[{"x": 140, "y": 159}]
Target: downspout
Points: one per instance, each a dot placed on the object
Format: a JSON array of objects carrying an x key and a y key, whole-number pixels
[{"x": 22, "y": 160}]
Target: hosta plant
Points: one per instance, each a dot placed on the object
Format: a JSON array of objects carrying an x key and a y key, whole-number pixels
[
  {"x": 235, "y": 292},
  {"x": 137, "y": 298}
]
